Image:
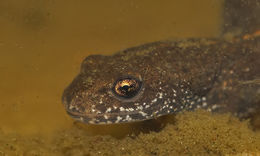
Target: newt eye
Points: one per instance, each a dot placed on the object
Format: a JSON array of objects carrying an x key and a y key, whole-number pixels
[{"x": 127, "y": 87}]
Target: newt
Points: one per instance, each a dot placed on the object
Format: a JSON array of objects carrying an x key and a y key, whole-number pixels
[{"x": 167, "y": 77}]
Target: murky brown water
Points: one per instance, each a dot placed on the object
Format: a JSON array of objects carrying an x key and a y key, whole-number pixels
[{"x": 42, "y": 44}]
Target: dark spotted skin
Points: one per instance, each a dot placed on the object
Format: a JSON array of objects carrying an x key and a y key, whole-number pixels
[{"x": 216, "y": 75}]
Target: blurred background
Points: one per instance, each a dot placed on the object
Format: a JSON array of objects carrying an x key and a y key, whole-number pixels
[{"x": 42, "y": 43}]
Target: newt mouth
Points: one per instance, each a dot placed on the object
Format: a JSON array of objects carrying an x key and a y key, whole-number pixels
[{"x": 114, "y": 117}]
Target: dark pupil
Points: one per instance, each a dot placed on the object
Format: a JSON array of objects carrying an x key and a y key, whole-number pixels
[
  {"x": 127, "y": 87},
  {"x": 127, "y": 90}
]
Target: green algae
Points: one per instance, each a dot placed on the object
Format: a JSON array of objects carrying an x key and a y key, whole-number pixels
[{"x": 191, "y": 133}]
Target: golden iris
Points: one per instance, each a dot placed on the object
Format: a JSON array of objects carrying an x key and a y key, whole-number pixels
[{"x": 127, "y": 87}]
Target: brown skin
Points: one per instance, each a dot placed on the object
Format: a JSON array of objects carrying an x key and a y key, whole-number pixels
[{"x": 217, "y": 75}]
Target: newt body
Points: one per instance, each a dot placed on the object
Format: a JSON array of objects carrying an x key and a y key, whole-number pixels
[{"x": 167, "y": 77}]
